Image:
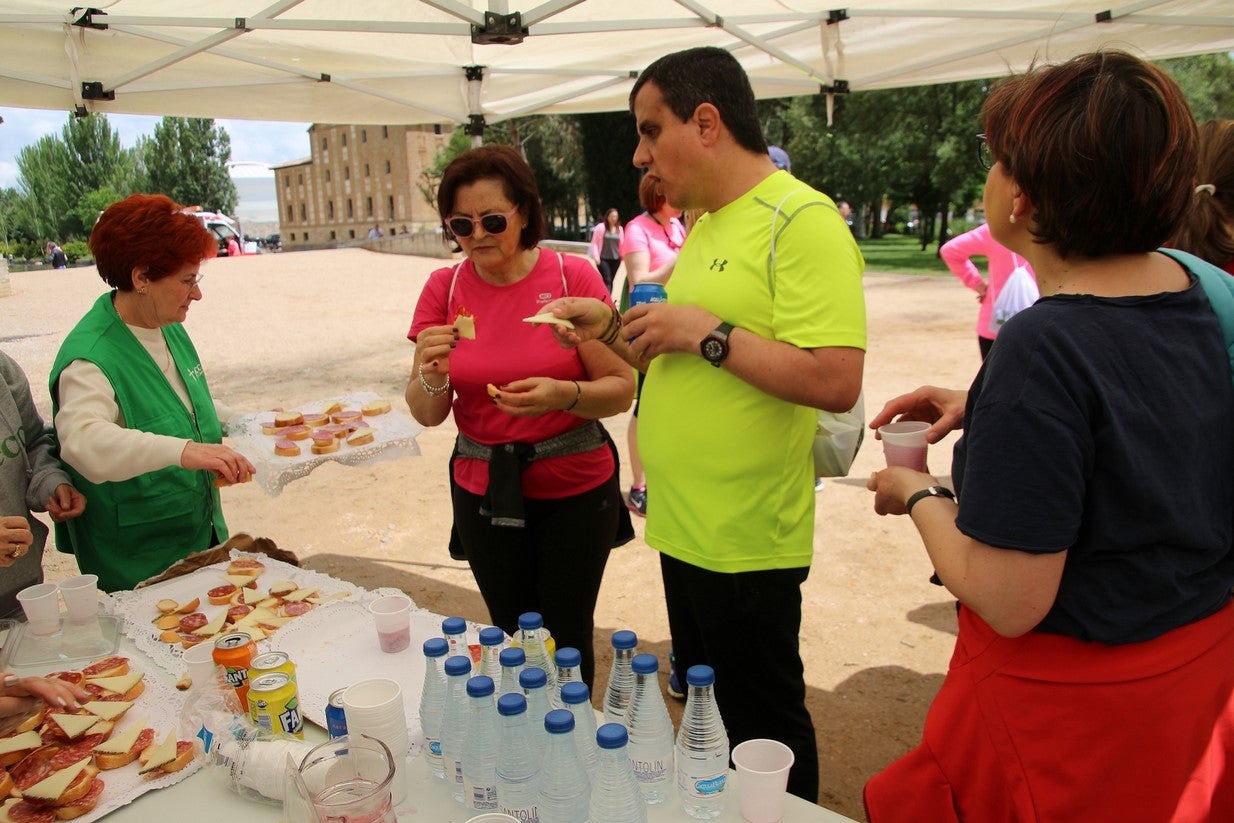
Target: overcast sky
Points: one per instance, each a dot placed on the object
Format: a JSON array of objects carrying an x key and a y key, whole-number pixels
[{"x": 252, "y": 141}]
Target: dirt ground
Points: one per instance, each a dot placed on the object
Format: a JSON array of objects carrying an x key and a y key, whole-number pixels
[{"x": 284, "y": 329}]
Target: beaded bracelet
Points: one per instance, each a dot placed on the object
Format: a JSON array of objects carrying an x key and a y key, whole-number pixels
[
  {"x": 433, "y": 391},
  {"x": 609, "y": 336},
  {"x": 577, "y": 396}
]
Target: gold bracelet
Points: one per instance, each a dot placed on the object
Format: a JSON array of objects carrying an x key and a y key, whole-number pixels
[
  {"x": 609, "y": 336},
  {"x": 433, "y": 391},
  {"x": 578, "y": 396}
]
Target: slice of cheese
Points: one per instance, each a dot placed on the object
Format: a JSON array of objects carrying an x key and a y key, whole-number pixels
[
  {"x": 328, "y": 598},
  {"x": 214, "y": 626},
  {"x": 54, "y": 786},
  {"x": 300, "y": 594},
  {"x": 20, "y": 742},
  {"x": 74, "y": 725},
  {"x": 164, "y": 752},
  {"x": 273, "y": 622},
  {"x": 108, "y": 709},
  {"x": 239, "y": 580},
  {"x": 269, "y": 603},
  {"x": 122, "y": 742},
  {"x": 119, "y": 684},
  {"x": 283, "y": 588},
  {"x": 257, "y": 615}
]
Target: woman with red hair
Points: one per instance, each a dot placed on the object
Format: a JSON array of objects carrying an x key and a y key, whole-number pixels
[{"x": 139, "y": 432}]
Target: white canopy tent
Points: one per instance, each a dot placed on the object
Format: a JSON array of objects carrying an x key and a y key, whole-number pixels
[{"x": 451, "y": 61}]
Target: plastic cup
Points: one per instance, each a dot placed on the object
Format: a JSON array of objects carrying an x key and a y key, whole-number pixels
[
  {"x": 199, "y": 662},
  {"x": 41, "y": 603},
  {"x": 375, "y": 707},
  {"x": 904, "y": 444},
  {"x": 81, "y": 597},
  {"x": 762, "y": 778},
  {"x": 392, "y": 616}
]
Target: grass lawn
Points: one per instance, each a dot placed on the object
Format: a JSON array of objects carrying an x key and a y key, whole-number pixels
[{"x": 901, "y": 254}]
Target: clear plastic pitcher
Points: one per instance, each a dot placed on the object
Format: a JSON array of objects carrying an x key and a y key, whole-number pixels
[{"x": 347, "y": 780}]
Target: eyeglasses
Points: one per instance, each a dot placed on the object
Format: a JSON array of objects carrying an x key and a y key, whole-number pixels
[
  {"x": 192, "y": 282},
  {"x": 984, "y": 156},
  {"x": 492, "y": 223}
]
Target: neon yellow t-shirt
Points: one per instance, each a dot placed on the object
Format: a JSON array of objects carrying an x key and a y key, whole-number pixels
[{"x": 729, "y": 468}]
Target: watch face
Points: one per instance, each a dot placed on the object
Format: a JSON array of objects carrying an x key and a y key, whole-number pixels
[{"x": 713, "y": 349}]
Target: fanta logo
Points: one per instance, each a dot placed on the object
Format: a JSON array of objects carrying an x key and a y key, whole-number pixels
[
  {"x": 712, "y": 786},
  {"x": 237, "y": 677}
]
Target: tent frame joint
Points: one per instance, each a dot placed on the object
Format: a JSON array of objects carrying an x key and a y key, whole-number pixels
[
  {"x": 836, "y": 16},
  {"x": 500, "y": 30},
  {"x": 241, "y": 24},
  {"x": 1106, "y": 16},
  {"x": 837, "y": 87},
  {"x": 84, "y": 17},
  {"x": 94, "y": 90}
]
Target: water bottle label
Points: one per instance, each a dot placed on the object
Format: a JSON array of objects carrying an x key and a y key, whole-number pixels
[
  {"x": 480, "y": 798},
  {"x": 710, "y": 786},
  {"x": 434, "y": 748},
  {"x": 525, "y": 814},
  {"x": 649, "y": 771}
]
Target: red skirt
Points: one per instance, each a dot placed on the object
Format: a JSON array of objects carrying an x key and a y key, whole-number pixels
[{"x": 1045, "y": 728}]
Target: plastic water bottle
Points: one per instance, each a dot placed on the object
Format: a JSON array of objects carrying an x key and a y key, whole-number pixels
[
  {"x": 455, "y": 631},
  {"x": 568, "y": 661},
  {"x": 534, "y": 640},
  {"x": 480, "y": 747},
  {"x": 651, "y": 731},
  {"x": 518, "y": 765},
  {"x": 702, "y": 748},
  {"x": 577, "y": 699},
  {"x": 433, "y": 701},
  {"x": 512, "y": 661},
  {"x": 564, "y": 788},
  {"x": 491, "y": 641},
  {"x": 621, "y": 677},
  {"x": 615, "y": 797},
  {"x": 454, "y": 723},
  {"x": 533, "y": 682}
]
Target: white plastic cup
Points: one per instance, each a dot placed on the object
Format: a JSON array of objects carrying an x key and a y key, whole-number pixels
[
  {"x": 375, "y": 707},
  {"x": 392, "y": 616},
  {"x": 41, "y": 603},
  {"x": 762, "y": 778},
  {"x": 199, "y": 662},
  {"x": 81, "y": 597},
  {"x": 904, "y": 444}
]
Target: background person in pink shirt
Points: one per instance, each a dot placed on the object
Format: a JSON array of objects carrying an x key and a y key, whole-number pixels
[{"x": 958, "y": 252}]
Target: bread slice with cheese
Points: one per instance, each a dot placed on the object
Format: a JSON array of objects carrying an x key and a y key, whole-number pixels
[
  {"x": 70, "y": 726},
  {"x": 123, "y": 748},
  {"x": 168, "y": 756},
  {"x": 14, "y": 747},
  {"x": 64, "y": 786}
]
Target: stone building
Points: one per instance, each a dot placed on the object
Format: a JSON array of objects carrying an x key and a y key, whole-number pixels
[{"x": 357, "y": 177}]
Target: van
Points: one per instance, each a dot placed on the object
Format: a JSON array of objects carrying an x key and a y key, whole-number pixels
[{"x": 220, "y": 225}]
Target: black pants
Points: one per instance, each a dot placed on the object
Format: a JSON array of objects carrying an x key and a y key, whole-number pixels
[
  {"x": 553, "y": 565},
  {"x": 746, "y": 627},
  {"x": 608, "y": 270}
]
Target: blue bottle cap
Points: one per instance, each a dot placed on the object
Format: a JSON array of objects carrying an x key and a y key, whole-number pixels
[
  {"x": 611, "y": 736},
  {"x": 436, "y": 647},
  {"x": 458, "y": 665},
  {"x": 700, "y": 675},
  {"x": 558, "y": 721},
  {"x": 645, "y": 664},
  {"x": 510, "y": 704},
  {"x": 513, "y": 656},
  {"x": 530, "y": 621},
  {"x": 454, "y": 625},
  {"x": 568, "y": 658},
  {"x": 492, "y": 636},
  {"x": 575, "y": 692},
  {"x": 624, "y": 639},
  {"x": 480, "y": 686},
  {"x": 532, "y": 678}
]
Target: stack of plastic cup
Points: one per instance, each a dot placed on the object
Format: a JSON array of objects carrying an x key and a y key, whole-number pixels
[{"x": 375, "y": 707}]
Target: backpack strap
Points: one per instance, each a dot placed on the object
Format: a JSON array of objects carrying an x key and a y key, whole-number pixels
[{"x": 1218, "y": 286}]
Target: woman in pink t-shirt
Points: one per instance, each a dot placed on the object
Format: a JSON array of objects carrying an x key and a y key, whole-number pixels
[
  {"x": 534, "y": 484},
  {"x": 958, "y": 252}
]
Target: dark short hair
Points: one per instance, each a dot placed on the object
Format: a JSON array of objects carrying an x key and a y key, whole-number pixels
[
  {"x": 1207, "y": 230},
  {"x": 147, "y": 231},
  {"x": 504, "y": 164},
  {"x": 650, "y": 194},
  {"x": 1104, "y": 146},
  {"x": 687, "y": 79}
]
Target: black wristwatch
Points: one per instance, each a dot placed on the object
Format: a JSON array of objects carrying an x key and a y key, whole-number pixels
[
  {"x": 932, "y": 491},
  {"x": 714, "y": 346}
]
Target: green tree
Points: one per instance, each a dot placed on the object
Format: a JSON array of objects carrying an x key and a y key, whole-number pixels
[
  {"x": 1208, "y": 82},
  {"x": 608, "y": 142},
  {"x": 186, "y": 159}
]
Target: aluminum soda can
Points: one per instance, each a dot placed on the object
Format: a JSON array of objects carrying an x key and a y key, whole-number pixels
[
  {"x": 234, "y": 652},
  {"x": 336, "y": 720},
  {"x": 648, "y": 293},
  {"x": 274, "y": 704},
  {"x": 271, "y": 662}
]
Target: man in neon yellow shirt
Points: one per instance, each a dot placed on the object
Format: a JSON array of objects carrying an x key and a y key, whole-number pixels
[{"x": 748, "y": 346}]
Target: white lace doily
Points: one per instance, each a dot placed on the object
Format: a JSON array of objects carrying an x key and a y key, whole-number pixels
[
  {"x": 394, "y": 437},
  {"x": 138, "y": 607}
]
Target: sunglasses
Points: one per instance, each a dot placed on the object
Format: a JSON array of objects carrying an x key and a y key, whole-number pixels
[
  {"x": 985, "y": 157},
  {"x": 492, "y": 223}
]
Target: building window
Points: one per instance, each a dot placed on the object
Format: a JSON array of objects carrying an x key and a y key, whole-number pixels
[
  {"x": 387, "y": 167},
  {"x": 346, "y": 172},
  {"x": 290, "y": 213},
  {"x": 330, "y": 209},
  {"x": 351, "y": 234},
  {"x": 437, "y": 129},
  {"x": 332, "y": 235},
  {"x": 303, "y": 214},
  {"x": 287, "y": 181},
  {"x": 366, "y": 169},
  {"x": 350, "y": 212},
  {"x": 327, "y": 175},
  {"x": 363, "y": 135},
  {"x": 344, "y": 135},
  {"x": 306, "y": 237},
  {"x": 325, "y": 143},
  {"x": 368, "y": 206},
  {"x": 385, "y": 132},
  {"x": 300, "y": 178},
  {"x": 293, "y": 236},
  {"x": 391, "y": 208}
]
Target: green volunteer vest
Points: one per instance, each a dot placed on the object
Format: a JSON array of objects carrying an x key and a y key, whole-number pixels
[{"x": 136, "y": 528}]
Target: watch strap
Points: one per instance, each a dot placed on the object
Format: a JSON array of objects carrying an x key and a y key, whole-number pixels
[{"x": 931, "y": 491}]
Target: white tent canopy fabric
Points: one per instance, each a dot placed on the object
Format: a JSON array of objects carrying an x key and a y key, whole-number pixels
[{"x": 450, "y": 61}]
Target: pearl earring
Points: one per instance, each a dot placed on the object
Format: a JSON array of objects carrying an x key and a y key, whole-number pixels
[{"x": 1012, "y": 217}]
